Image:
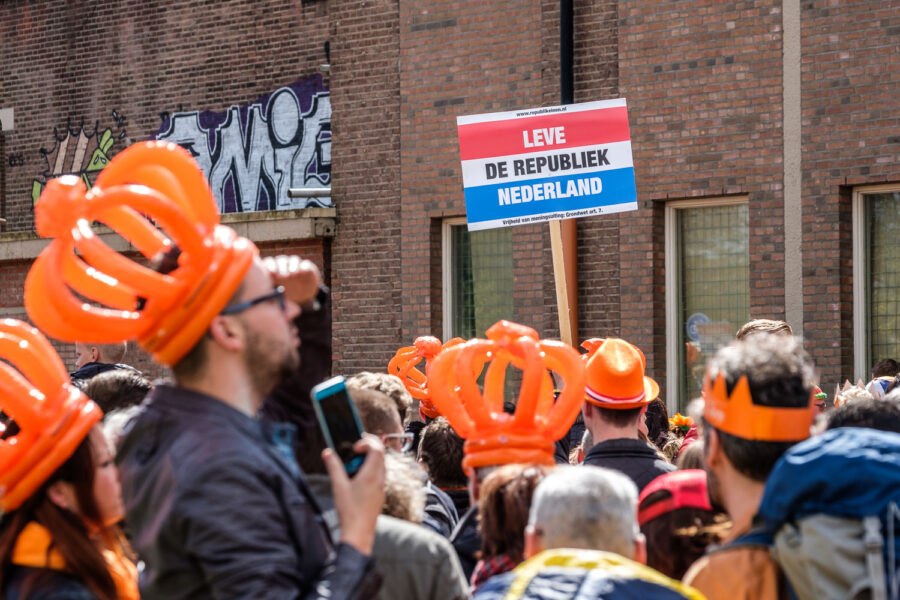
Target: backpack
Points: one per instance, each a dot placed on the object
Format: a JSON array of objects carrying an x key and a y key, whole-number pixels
[{"x": 830, "y": 514}]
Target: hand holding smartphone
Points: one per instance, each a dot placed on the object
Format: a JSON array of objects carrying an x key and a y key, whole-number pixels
[{"x": 339, "y": 421}]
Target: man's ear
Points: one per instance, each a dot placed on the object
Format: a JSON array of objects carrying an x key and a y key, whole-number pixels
[
  {"x": 587, "y": 410},
  {"x": 532, "y": 542},
  {"x": 95, "y": 354},
  {"x": 62, "y": 494},
  {"x": 712, "y": 449},
  {"x": 640, "y": 549},
  {"x": 228, "y": 333}
]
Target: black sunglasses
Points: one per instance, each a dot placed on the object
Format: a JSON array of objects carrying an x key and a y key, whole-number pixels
[{"x": 276, "y": 294}]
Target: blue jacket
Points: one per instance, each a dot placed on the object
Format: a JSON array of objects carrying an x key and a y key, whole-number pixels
[{"x": 568, "y": 574}]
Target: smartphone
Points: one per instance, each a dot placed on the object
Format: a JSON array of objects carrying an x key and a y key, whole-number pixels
[{"x": 339, "y": 421}]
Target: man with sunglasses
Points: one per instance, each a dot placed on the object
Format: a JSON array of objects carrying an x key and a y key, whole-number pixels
[{"x": 217, "y": 505}]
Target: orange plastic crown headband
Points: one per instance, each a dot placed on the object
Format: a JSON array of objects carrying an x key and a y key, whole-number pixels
[
  {"x": 494, "y": 437},
  {"x": 53, "y": 415},
  {"x": 403, "y": 365},
  {"x": 739, "y": 416},
  {"x": 151, "y": 180}
]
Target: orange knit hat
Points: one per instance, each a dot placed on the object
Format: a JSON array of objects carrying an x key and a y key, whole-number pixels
[
  {"x": 403, "y": 365},
  {"x": 147, "y": 183},
  {"x": 493, "y": 436},
  {"x": 53, "y": 415},
  {"x": 615, "y": 375}
]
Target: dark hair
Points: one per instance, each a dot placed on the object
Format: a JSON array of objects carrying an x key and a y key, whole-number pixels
[
  {"x": 887, "y": 367},
  {"x": 69, "y": 531},
  {"x": 618, "y": 417},
  {"x": 679, "y": 537},
  {"x": 503, "y": 505},
  {"x": 658, "y": 422},
  {"x": 441, "y": 449},
  {"x": 780, "y": 374},
  {"x": 769, "y": 326},
  {"x": 377, "y": 411},
  {"x": 118, "y": 388},
  {"x": 874, "y": 414}
]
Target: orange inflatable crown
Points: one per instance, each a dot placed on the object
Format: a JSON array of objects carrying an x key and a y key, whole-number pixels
[
  {"x": 53, "y": 415},
  {"x": 148, "y": 181},
  {"x": 493, "y": 436},
  {"x": 403, "y": 365},
  {"x": 739, "y": 416}
]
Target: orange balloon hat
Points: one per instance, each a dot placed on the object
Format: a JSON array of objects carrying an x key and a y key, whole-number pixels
[
  {"x": 403, "y": 365},
  {"x": 146, "y": 185},
  {"x": 493, "y": 436},
  {"x": 53, "y": 415}
]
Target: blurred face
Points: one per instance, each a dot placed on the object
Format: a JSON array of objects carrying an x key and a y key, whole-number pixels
[
  {"x": 271, "y": 338},
  {"x": 83, "y": 355},
  {"x": 107, "y": 492}
]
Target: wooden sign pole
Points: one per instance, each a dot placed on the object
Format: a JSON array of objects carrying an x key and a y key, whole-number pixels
[{"x": 563, "y": 301}]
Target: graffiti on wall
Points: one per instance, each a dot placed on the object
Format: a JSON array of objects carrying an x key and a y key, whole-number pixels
[
  {"x": 82, "y": 152},
  {"x": 254, "y": 153}
]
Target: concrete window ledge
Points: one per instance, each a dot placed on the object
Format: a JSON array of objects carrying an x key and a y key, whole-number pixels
[{"x": 263, "y": 226}]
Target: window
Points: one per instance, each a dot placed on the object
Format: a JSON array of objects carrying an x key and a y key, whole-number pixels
[
  {"x": 876, "y": 276},
  {"x": 478, "y": 279},
  {"x": 707, "y": 288}
]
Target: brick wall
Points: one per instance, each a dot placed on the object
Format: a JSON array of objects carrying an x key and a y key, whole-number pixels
[{"x": 850, "y": 71}]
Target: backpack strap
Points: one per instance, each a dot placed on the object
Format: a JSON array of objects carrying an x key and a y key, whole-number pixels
[{"x": 874, "y": 546}]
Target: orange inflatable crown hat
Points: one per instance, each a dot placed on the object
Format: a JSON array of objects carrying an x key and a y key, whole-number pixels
[
  {"x": 493, "y": 436},
  {"x": 147, "y": 183},
  {"x": 403, "y": 365},
  {"x": 615, "y": 375},
  {"x": 53, "y": 415},
  {"x": 739, "y": 416}
]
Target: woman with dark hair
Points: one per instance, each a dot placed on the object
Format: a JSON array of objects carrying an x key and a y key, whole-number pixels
[
  {"x": 59, "y": 488},
  {"x": 503, "y": 505},
  {"x": 678, "y": 521}
]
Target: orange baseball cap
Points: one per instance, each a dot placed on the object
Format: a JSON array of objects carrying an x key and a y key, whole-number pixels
[
  {"x": 147, "y": 185},
  {"x": 53, "y": 416},
  {"x": 615, "y": 375},
  {"x": 736, "y": 414},
  {"x": 494, "y": 437}
]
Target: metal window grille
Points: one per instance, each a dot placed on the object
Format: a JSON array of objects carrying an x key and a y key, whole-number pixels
[
  {"x": 481, "y": 280},
  {"x": 714, "y": 286},
  {"x": 883, "y": 235}
]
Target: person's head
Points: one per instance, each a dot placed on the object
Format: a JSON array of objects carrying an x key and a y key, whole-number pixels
[
  {"x": 386, "y": 384},
  {"x": 616, "y": 390},
  {"x": 503, "y": 507},
  {"x": 678, "y": 521},
  {"x": 254, "y": 334},
  {"x": 78, "y": 504},
  {"x": 887, "y": 367},
  {"x": 757, "y": 404},
  {"x": 404, "y": 494},
  {"x": 691, "y": 457},
  {"x": 379, "y": 416},
  {"x": 657, "y": 420},
  {"x": 99, "y": 353},
  {"x": 441, "y": 454},
  {"x": 769, "y": 326},
  {"x": 590, "y": 508},
  {"x": 118, "y": 388},
  {"x": 874, "y": 414}
]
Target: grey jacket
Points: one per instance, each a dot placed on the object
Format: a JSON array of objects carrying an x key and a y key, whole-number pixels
[
  {"x": 417, "y": 563},
  {"x": 217, "y": 508}
]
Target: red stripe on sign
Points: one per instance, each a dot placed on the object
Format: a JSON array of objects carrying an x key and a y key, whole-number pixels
[{"x": 542, "y": 133}]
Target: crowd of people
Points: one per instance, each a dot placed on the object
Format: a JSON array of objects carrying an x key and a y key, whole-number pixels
[{"x": 218, "y": 482}]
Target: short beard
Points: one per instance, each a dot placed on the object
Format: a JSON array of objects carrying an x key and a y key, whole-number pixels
[{"x": 265, "y": 373}]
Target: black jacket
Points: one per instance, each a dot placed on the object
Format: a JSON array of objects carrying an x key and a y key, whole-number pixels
[
  {"x": 633, "y": 457},
  {"x": 217, "y": 508},
  {"x": 467, "y": 541},
  {"x": 43, "y": 584}
]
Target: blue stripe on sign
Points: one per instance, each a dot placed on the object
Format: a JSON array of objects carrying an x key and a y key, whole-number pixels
[{"x": 503, "y": 201}]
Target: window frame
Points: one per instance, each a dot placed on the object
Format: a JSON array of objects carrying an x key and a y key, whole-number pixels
[
  {"x": 673, "y": 285},
  {"x": 862, "y": 295},
  {"x": 447, "y": 272}
]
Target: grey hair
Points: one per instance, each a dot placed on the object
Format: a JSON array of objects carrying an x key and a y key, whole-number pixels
[{"x": 591, "y": 508}]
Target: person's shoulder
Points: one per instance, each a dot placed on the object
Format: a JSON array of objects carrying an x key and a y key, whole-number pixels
[
  {"x": 402, "y": 540},
  {"x": 45, "y": 584},
  {"x": 740, "y": 572}
]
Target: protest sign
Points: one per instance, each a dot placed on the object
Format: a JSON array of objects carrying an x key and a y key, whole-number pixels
[{"x": 548, "y": 163}]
